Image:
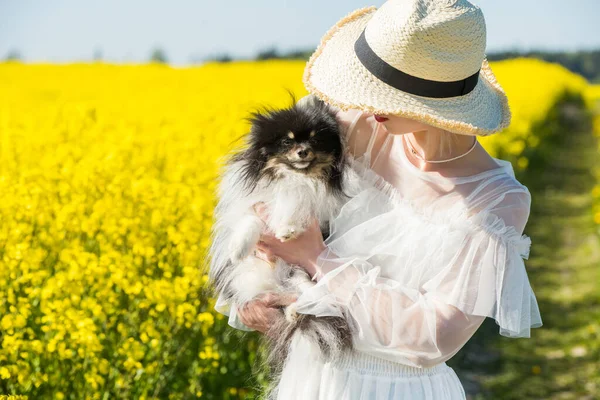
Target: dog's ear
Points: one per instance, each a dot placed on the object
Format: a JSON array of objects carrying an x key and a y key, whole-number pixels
[
  {"x": 310, "y": 100},
  {"x": 336, "y": 176}
]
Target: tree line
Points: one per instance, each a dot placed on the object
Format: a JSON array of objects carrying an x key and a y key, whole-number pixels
[{"x": 585, "y": 62}]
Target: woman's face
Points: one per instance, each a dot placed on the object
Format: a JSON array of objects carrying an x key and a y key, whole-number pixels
[{"x": 397, "y": 125}]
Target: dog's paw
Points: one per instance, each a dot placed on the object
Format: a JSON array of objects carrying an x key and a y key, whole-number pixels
[
  {"x": 291, "y": 315},
  {"x": 244, "y": 237},
  {"x": 287, "y": 232},
  {"x": 239, "y": 249}
]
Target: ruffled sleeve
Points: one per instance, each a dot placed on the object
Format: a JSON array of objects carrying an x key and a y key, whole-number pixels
[
  {"x": 489, "y": 277},
  {"x": 427, "y": 324},
  {"x": 229, "y": 309}
]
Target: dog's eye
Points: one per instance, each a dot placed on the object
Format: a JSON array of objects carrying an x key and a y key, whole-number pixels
[{"x": 287, "y": 141}]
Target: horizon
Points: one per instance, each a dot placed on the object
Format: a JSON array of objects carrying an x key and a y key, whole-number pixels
[{"x": 67, "y": 31}]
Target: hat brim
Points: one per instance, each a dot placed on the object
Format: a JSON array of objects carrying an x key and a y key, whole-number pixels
[{"x": 335, "y": 75}]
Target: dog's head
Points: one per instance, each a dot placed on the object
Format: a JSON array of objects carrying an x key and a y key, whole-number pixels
[{"x": 304, "y": 138}]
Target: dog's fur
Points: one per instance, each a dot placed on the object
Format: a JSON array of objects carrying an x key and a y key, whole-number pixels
[{"x": 294, "y": 163}]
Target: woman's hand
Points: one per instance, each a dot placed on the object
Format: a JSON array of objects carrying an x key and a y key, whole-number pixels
[
  {"x": 263, "y": 311},
  {"x": 302, "y": 250}
]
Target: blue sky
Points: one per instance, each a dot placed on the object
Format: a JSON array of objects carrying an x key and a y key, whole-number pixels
[{"x": 127, "y": 30}]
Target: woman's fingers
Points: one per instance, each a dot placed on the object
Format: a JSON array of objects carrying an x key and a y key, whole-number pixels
[
  {"x": 278, "y": 299},
  {"x": 265, "y": 298},
  {"x": 242, "y": 313},
  {"x": 261, "y": 210},
  {"x": 268, "y": 239},
  {"x": 248, "y": 316},
  {"x": 261, "y": 313},
  {"x": 265, "y": 252},
  {"x": 259, "y": 207},
  {"x": 257, "y": 315},
  {"x": 283, "y": 300}
]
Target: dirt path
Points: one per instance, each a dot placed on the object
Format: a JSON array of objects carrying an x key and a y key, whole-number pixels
[{"x": 561, "y": 360}]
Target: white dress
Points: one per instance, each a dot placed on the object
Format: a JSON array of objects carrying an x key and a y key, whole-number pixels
[{"x": 415, "y": 261}]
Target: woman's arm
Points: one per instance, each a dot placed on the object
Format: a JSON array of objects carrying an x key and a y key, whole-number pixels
[
  {"x": 427, "y": 326},
  {"x": 392, "y": 321}
]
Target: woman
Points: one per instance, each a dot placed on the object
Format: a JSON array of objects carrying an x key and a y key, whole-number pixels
[{"x": 433, "y": 241}]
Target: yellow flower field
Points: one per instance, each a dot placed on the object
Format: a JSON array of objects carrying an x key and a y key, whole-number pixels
[
  {"x": 106, "y": 195},
  {"x": 533, "y": 88},
  {"x": 105, "y": 198},
  {"x": 592, "y": 95}
]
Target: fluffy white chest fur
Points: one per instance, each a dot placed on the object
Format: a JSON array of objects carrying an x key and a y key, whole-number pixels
[{"x": 292, "y": 201}]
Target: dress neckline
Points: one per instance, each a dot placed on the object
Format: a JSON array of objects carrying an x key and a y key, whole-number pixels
[
  {"x": 434, "y": 176},
  {"x": 364, "y": 163}
]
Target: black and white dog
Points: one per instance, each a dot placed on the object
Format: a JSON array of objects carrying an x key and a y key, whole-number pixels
[{"x": 294, "y": 163}]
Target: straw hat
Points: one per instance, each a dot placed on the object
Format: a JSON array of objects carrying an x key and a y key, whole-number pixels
[{"x": 420, "y": 59}]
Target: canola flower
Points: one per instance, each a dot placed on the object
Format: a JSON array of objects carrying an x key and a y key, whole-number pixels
[
  {"x": 106, "y": 196},
  {"x": 533, "y": 87},
  {"x": 107, "y": 181},
  {"x": 592, "y": 96}
]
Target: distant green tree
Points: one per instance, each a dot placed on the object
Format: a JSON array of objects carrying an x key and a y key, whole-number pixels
[
  {"x": 158, "y": 55},
  {"x": 221, "y": 57},
  {"x": 98, "y": 54},
  {"x": 13, "y": 55},
  {"x": 298, "y": 54},
  {"x": 585, "y": 63},
  {"x": 267, "y": 54}
]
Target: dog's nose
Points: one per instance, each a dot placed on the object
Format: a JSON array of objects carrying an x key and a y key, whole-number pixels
[{"x": 302, "y": 153}]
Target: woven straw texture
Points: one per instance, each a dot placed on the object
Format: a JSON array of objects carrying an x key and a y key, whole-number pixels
[{"x": 442, "y": 40}]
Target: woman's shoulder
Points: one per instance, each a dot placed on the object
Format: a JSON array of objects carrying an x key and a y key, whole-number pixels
[
  {"x": 497, "y": 177},
  {"x": 349, "y": 119},
  {"x": 503, "y": 206}
]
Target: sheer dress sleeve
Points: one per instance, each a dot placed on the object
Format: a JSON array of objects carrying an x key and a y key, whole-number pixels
[
  {"x": 416, "y": 293},
  {"x": 422, "y": 325}
]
